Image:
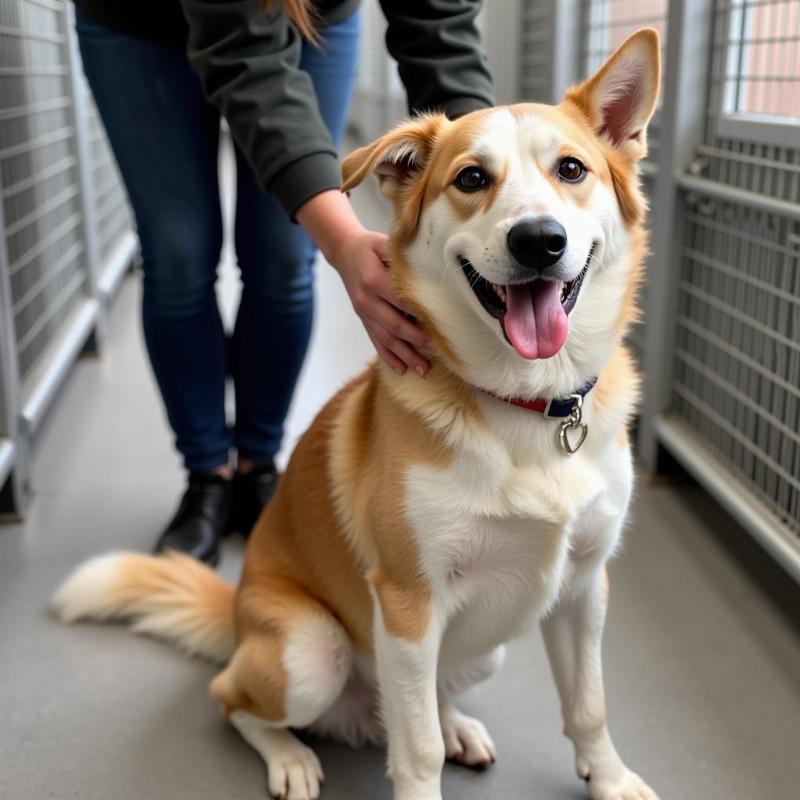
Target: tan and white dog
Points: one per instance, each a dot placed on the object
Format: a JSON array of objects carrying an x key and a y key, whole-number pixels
[{"x": 424, "y": 522}]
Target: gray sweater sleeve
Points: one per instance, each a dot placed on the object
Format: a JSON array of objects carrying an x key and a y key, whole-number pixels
[
  {"x": 441, "y": 60},
  {"x": 248, "y": 62}
]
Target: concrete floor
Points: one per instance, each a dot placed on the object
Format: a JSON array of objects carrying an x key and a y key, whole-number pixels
[{"x": 702, "y": 658}]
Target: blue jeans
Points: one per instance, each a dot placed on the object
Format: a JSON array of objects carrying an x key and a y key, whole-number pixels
[{"x": 165, "y": 138}]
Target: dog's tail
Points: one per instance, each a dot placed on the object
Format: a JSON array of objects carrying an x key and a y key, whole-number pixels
[{"x": 172, "y": 597}]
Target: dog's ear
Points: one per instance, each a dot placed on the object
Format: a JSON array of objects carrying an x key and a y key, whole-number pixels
[
  {"x": 397, "y": 158},
  {"x": 619, "y": 99}
]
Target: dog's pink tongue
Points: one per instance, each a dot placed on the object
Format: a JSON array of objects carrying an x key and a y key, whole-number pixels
[{"x": 535, "y": 322}]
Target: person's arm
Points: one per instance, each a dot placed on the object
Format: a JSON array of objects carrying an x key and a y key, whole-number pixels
[
  {"x": 438, "y": 49},
  {"x": 248, "y": 61}
]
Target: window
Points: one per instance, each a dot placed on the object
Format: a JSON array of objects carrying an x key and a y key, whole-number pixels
[{"x": 761, "y": 80}]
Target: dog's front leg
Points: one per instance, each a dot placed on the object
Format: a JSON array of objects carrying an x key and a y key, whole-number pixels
[
  {"x": 407, "y": 641},
  {"x": 572, "y": 635}
]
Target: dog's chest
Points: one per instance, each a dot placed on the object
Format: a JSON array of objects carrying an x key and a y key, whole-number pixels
[{"x": 489, "y": 531}]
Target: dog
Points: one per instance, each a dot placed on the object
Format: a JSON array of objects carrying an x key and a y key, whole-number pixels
[{"x": 423, "y": 522}]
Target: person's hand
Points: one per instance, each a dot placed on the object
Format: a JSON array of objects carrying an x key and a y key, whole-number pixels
[
  {"x": 355, "y": 253},
  {"x": 358, "y": 259}
]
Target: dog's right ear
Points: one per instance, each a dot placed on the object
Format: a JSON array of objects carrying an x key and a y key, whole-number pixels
[{"x": 397, "y": 158}]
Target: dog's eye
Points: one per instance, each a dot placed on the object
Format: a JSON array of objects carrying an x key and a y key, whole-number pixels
[
  {"x": 571, "y": 170},
  {"x": 470, "y": 179}
]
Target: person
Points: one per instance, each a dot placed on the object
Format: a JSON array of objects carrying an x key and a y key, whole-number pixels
[{"x": 281, "y": 73}]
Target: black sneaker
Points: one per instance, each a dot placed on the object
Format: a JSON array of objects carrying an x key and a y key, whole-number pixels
[
  {"x": 251, "y": 492},
  {"x": 200, "y": 519}
]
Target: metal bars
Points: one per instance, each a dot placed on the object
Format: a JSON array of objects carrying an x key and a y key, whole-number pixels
[
  {"x": 606, "y": 24},
  {"x": 113, "y": 223},
  {"x": 63, "y": 214},
  {"x": 736, "y": 368},
  {"x": 549, "y": 60},
  {"x": 12, "y": 450},
  {"x": 723, "y": 355},
  {"x": 537, "y": 57},
  {"x": 47, "y": 281},
  {"x": 761, "y": 74},
  {"x": 752, "y": 137},
  {"x": 737, "y": 352}
]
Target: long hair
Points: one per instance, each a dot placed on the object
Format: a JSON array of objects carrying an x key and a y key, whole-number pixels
[{"x": 301, "y": 14}]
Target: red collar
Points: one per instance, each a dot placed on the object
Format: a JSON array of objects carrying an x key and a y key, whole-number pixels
[{"x": 552, "y": 407}]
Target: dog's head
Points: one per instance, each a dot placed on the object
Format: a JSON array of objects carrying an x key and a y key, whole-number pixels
[{"x": 517, "y": 234}]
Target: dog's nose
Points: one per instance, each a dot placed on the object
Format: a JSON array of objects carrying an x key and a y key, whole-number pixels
[{"x": 537, "y": 243}]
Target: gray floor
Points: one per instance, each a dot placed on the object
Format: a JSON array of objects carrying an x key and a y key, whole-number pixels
[{"x": 702, "y": 668}]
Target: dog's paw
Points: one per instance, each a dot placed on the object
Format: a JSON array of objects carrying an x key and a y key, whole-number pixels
[
  {"x": 629, "y": 787},
  {"x": 466, "y": 740},
  {"x": 294, "y": 772}
]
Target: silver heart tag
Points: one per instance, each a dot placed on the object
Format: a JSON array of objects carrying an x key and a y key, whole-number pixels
[{"x": 563, "y": 436}]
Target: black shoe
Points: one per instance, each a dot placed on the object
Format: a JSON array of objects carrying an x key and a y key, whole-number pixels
[
  {"x": 251, "y": 492},
  {"x": 200, "y": 519}
]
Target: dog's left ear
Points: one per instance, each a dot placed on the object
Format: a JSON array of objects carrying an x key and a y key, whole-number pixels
[
  {"x": 619, "y": 99},
  {"x": 397, "y": 158}
]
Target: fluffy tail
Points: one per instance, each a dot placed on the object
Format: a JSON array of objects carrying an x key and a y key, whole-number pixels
[{"x": 172, "y": 597}]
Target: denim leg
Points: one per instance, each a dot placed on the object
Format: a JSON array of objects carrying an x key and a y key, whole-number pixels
[
  {"x": 276, "y": 258},
  {"x": 165, "y": 139}
]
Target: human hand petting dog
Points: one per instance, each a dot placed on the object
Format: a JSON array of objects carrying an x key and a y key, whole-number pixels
[
  {"x": 366, "y": 278},
  {"x": 357, "y": 254}
]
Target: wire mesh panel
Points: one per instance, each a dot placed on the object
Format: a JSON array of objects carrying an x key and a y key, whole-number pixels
[
  {"x": 39, "y": 175},
  {"x": 763, "y": 58},
  {"x": 752, "y": 138},
  {"x": 733, "y": 402},
  {"x": 112, "y": 216},
  {"x": 737, "y": 379},
  {"x": 607, "y": 23},
  {"x": 10, "y": 494},
  {"x": 536, "y": 50},
  {"x": 737, "y": 357}
]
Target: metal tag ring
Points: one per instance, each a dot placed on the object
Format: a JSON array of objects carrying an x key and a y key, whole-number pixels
[
  {"x": 563, "y": 436},
  {"x": 574, "y": 421}
]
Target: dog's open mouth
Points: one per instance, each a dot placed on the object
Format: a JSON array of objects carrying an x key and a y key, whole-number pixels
[{"x": 533, "y": 315}]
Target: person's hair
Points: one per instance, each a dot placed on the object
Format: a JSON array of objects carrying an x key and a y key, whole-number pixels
[{"x": 300, "y": 13}]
